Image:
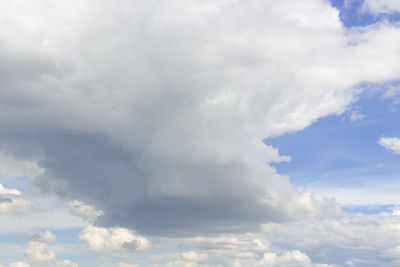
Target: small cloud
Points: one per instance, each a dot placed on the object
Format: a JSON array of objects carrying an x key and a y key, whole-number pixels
[
  {"x": 356, "y": 115},
  {"x": 84, "y": 211},
  {"x": 66, "y": 263},
  {"x": 392, "y": 91},
  {"x": 6, "y": 191},
  {"x": 390, "y": 143}
]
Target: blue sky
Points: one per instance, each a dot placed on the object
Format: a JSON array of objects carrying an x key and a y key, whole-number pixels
[
  {"x": 344, "y": 153},
  {"x": 153, "y": 133}
]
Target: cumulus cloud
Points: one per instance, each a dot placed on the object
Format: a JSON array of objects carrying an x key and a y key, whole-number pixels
[
  {"x": 390, "y": 143},
  {"x": 113, "y": 239},
  {"x": 79, "y": 209},
  {"x": 37, "y": 248},
  {"x": 155, "y": 114},
  {"x": 39, "y": 252}
]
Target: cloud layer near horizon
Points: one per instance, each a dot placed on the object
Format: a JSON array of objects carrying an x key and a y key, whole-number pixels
[{"x": 154, "y": 112}]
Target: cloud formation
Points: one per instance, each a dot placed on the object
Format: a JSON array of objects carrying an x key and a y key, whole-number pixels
[
  {"x": 113, "y": 239},
  {"x": 37, "y": 248},
  {"x": 155, "y": 113},
  {"x": 39, "y": 252}
]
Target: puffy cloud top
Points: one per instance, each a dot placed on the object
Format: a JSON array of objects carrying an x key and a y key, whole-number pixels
[{"x": 103, "y": 239}]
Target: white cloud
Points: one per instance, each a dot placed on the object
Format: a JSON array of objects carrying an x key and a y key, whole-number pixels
[
  {"x": 43, "y": 237},
  {"x": 396, "y": 208},
  {"x": 390, "y": 143},
  {"x": 11, "y": 202},
  {"x": 15, "y": 205},
  {"x": 338, "y": 239},
  {"x": 111, "y": 239},
  {"x": 5, "y": 191},
  {"x": 392, "y": 91},
  {"x": 356, "y": 115},
  {"x": 381, "y": 6},
  {"x": 37, "y": 248},
  {"x": 193, "y": 256},
  {"x": 38, "y": 252},
  {"x": 288, "y": 258},
  {"x": 66, "y": 263},
  {"x": 80, "y": 209}
]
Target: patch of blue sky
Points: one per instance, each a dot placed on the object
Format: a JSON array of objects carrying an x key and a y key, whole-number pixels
[
  {"x": 12, "y": 247},
  {"x": 369, "y": 209},
  {"x": 352, "y": 14},
  {"x": 338, "y": 152}
]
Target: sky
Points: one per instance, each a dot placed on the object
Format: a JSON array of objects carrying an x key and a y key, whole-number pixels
[{"x": 199, "y": 133}]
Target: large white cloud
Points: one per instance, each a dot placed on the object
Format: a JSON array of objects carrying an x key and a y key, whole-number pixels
[{"x": 155, "y": 112}]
